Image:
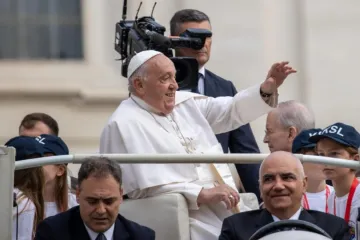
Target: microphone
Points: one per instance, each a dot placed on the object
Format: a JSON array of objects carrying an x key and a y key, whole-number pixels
[
  {"x": 158, "y": 38},
  {"x": 175, "y": 41},
  {"x": 194, "y": 43}
]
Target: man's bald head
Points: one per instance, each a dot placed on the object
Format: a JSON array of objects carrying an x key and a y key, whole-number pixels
[{"x": 283, "y": 157}]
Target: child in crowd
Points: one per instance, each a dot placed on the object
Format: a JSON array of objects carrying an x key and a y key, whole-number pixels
[
  {"x": 43, "y": 191},
  {"x": 341, "y": 141},
  {"x": 57, "y": 194},
  {"x": 317, "y": 191},
  {"x": 28, "y": 189}
]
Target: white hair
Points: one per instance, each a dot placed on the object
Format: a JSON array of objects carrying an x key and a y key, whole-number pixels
[
  {"x": 295, "y": 114},
  {"x": 291, "y": 157},
  {"x": 141, "y": 72}
]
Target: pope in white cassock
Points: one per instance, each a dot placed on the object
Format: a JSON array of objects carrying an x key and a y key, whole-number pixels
[{"x": 158, "y": 119}]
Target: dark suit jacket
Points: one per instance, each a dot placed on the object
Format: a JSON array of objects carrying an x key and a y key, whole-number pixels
[
  {"x": 242, "y": 226},
  {"x": 241, "y": 140},
  {"x": 69, "y": 226}
]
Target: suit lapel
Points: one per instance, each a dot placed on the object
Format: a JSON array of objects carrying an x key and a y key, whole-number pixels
[
  {"x": 264, "y": 219},
  {"x": 77, "y": 227},
  {"x": 120, "y": 231},
  {"x": 78, "y": 230},
  {"x": 306, "y": 216}
]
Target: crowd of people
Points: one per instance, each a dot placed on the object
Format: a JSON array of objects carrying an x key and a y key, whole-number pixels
[{"x": 211, "y": 119}]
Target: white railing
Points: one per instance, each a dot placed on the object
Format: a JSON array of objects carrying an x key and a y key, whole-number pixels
[
  {"x": 179, "y": 158},
  {"x": 8, "y": 164}
]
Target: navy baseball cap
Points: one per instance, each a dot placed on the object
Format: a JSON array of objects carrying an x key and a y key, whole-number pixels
[
  {"x": 340, "y": 133},
  {"x": 302, "y": 140},
  {"x": 52, "y": 144},
  {"x": 25, "y": 146}
]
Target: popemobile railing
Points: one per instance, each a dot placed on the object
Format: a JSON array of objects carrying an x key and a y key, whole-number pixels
[{"x": 8, "y": 165}]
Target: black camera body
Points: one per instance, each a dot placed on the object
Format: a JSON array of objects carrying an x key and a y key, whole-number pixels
[{"x": 132, "y": 37}]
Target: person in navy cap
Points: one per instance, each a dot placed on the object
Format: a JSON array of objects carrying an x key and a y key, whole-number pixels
[
  {"x": 28, "y": 188},
  {"x": 56, "y": 194},
  {"x": 317, "y": 191},
  {"x": 340, "y": 140}
]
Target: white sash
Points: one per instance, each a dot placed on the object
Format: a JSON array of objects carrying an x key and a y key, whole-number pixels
[{"x": 216, "y": 172}]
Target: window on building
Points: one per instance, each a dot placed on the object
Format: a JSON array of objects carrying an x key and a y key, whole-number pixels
[{"x": 40, "y": 29}]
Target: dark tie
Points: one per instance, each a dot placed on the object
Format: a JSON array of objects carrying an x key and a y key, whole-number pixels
[
  {"x": 196, "y": 90},
  {"x": 200, "y": 75},
  {"x": 101, "y": 236}
]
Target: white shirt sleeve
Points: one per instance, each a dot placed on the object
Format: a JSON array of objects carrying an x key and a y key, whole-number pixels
[
  {"x": 25, "y": 220},
  {"x": 228, "y": 113},
  {"x": 189, "y": 190}
]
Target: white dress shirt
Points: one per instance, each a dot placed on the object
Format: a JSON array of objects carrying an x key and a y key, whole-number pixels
[
  {"x": 293, "y": 217},
  {"x": 108, "y": 234},
  {"x": 201, "y": 84}
]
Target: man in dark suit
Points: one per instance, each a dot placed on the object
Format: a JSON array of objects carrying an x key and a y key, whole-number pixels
[
  {"x": 99, "y": 195},
  {"x": 240, "y": 140},
  {"x": 282, "y": 185}
]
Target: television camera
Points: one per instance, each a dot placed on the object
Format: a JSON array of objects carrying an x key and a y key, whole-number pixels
[{"x": 134, "y": 36}]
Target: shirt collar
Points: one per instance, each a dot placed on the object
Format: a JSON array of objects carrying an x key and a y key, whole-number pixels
[
  {"x": 202, "y": 71},
  {"x": 293, "y": 217},
  {"x": 108, "y": 234}
]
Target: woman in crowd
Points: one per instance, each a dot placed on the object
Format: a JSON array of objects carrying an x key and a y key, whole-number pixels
[
  {"x": 28, "y": 190},
  {"x": 317, "y": 191},
  {"x": 341, "y": 141}
]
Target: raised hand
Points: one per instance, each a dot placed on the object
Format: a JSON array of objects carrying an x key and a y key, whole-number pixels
[{"x": 276, "y": 76}]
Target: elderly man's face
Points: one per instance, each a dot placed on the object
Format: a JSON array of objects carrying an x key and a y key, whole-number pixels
[
  {"x": 281, "y": 183},
  {"x": 159, "y": 87},
  {"x": 276, "y": 136}
]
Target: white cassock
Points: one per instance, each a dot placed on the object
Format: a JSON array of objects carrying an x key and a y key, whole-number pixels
[{"x": 190, "y": 128}]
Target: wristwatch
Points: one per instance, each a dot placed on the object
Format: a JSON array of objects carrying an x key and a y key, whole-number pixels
[{"x": 265, "y": 95}]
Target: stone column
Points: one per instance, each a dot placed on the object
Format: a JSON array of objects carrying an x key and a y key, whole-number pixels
[
  {"x": 94, "y": 37},
  {"x": 283, "y": 40}
]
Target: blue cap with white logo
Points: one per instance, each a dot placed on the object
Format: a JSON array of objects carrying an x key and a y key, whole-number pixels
[
  {"x": 340, "y": 133},
  {"x": 301, "y": 141},
  {"x": 25, "y": 147},
  {"x": 52, "y": 144}
]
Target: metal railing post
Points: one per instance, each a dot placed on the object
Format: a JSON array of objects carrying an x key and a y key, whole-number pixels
[{"x": 7, "y": 166}]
